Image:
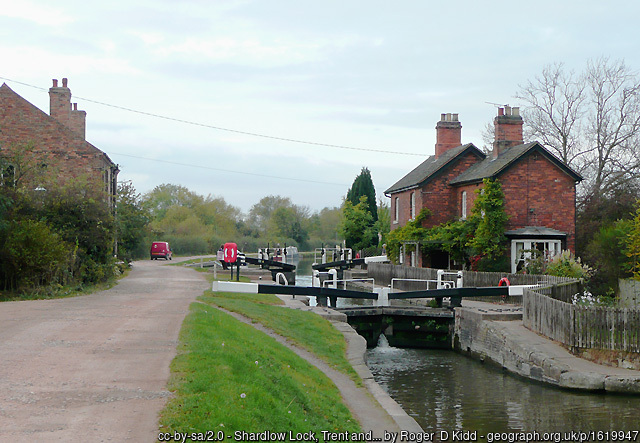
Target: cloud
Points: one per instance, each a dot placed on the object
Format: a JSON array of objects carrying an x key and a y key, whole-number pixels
[{"x": 42, "y": 14}]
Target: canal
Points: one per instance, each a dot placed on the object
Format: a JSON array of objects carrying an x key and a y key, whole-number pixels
[{"x": 445, "y": 391}]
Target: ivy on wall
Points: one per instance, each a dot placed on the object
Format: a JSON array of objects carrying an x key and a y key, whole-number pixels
[{"x": 479, "y": 240}]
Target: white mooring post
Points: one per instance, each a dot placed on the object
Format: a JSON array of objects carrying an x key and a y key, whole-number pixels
[{"x": 334, "y": 277}]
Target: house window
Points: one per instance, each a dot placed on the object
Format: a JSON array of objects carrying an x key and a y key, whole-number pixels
[
  {"x": 412, "y": 199},
  {"x": 524, "y": 250},
  {"x": 396, "y": 202},
  {"x": 463, "y": 205}
]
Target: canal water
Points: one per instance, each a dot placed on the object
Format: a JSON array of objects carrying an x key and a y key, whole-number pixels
[{"x": 446, "y": 391}]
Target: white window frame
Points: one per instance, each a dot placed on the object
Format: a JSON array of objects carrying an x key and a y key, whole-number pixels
[
  {"x": 396, "y": 210},
  {"x": 412, "y": 202},
  {"x": 463, "y": 205},
  {"x": 551, "y": 248}
]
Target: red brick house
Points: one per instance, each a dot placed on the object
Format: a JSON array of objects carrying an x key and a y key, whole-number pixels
[
  {"x": 58, "y": 138},
  {"x": 539, "y": 189}
]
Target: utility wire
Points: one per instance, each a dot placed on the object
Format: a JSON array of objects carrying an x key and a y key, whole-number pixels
[
  {"x": 231, "y": 171},
  {"x": 220, "y": 128}
]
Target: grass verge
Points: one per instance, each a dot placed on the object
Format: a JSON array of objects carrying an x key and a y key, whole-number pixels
[
  {"x": 230, "y": 377},
  {"x": 305, "y": 329}
]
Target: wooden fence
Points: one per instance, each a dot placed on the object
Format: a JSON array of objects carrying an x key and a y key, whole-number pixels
[
  {"x": 581, "y": 326},
  {"x": 548, "y": 310},
  {"x": 383, "y": 273}
]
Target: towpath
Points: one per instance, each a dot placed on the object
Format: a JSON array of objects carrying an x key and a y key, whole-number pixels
[{"x": 93, "y": 368}]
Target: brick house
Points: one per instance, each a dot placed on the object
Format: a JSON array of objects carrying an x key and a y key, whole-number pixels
[
  {"x": 58, "y": 139},
  {"x": 539, "y": 190}
]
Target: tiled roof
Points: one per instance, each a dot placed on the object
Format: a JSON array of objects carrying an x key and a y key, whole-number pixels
[
  {"x": 14, "y": 107},
  {"x": 491, "y": 167},
  {"x": 428, "y": 168}
]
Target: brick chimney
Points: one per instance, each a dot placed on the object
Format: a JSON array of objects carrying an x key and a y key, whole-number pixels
[
  {"x": 78, "y": 121},
  {"x": 448, "y": 133},
  {"x": 60, "y": 108},
  {"x": 508, "y": 130}
]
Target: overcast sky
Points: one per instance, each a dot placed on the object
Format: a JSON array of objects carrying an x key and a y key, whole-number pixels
[{"x": 371, "y": 75}]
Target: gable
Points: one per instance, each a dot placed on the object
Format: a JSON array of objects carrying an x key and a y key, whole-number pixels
[
  {"x": 492, "y": 168},
  {"x": 21, "y": 121}
]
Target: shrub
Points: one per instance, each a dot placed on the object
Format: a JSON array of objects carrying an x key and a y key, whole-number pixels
[
  {"x": 188, "y": 245},
  {"x": 566, "y": 265},
  {"x": 34, "y": 255}
]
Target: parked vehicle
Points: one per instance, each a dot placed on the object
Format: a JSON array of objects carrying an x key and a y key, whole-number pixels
[{"x": 160, "y": 249}]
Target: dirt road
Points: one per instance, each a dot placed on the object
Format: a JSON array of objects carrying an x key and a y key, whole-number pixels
[{"x": 93, "y": 368}]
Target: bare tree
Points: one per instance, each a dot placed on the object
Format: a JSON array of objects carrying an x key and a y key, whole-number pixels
[
  {"x": 613, "y": 127},
  {"x": 554, "y": 111},
  {"x": 591, "y": 121}
]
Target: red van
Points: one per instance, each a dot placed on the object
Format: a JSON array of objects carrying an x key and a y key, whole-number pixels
[{"x": 160, "y": 249}]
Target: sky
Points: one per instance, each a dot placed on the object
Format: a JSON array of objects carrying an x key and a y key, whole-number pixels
[{"x": 242, "y": 99}]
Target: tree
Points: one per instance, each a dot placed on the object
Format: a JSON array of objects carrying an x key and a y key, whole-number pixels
[
  {"x": 323, "y": 227},
  {"x": 489, "y": 241},
  {"x": 261, "y": 212},
  {"x": 555, "y": 107},
  {"x": 162, "y": 197},
  {"x": 363, "y": 186},
  {"x": 591, "y": 121},
  {"x": 287, "y": 223},
  {"x": 633, "y": 244},
  {"x": 357, "y": 225},
  {"x": 132, "y": 221}
]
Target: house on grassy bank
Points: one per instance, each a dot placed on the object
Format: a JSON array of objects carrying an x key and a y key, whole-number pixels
[
  {"x": 55, "y": 140},
  {"x": 539, "y": 191}
]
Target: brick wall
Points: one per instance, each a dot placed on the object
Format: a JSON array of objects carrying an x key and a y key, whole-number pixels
[
  {"x": 441, "y": 199},
  {"x": 537, "y": 193}
]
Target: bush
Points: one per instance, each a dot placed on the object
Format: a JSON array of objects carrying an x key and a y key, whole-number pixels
[
  {"x": 566, "y": 265},
  {"x": 33, "y": 255},
  {"x": 190, "y": 245}
]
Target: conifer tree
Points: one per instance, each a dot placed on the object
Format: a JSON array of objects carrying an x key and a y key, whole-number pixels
[{"x": 363, "y": 185}]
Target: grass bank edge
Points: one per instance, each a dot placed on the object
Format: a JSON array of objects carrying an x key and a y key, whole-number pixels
[{"x": 230, "y": 377}]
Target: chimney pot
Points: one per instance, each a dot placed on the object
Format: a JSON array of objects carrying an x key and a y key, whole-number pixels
[
  {"x": 454, "y": 117},
  {"x": 516, "y": 112},
  {"x": 64, "y": 82},
  {"x": 75, "y": 106},
  {"x": 55, "y": 82},
  {"x": 443, "y": 117},
  {"x": 500, "y": 111},
  {"x": 448, "y": 116},
  {"x": 507, "y": 110}
]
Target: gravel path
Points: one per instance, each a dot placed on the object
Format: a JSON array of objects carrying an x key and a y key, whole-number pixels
[{"x": 93, "y": 368}]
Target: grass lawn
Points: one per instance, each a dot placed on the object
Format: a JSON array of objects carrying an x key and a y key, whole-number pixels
[{"x": 230, "y": 377}]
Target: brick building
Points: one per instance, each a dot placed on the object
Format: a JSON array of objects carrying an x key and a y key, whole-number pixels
[
  {"x": 57, "y": 138},
  {"x": 539, "y": 190}
]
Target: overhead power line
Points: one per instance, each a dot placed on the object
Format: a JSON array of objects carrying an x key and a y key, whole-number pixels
[
  {"x": 231, "y": 171},
  {"x": 220, "y": 128}
]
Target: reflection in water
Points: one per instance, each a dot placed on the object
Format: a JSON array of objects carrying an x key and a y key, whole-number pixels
[{"x": 444, "y": 390}]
